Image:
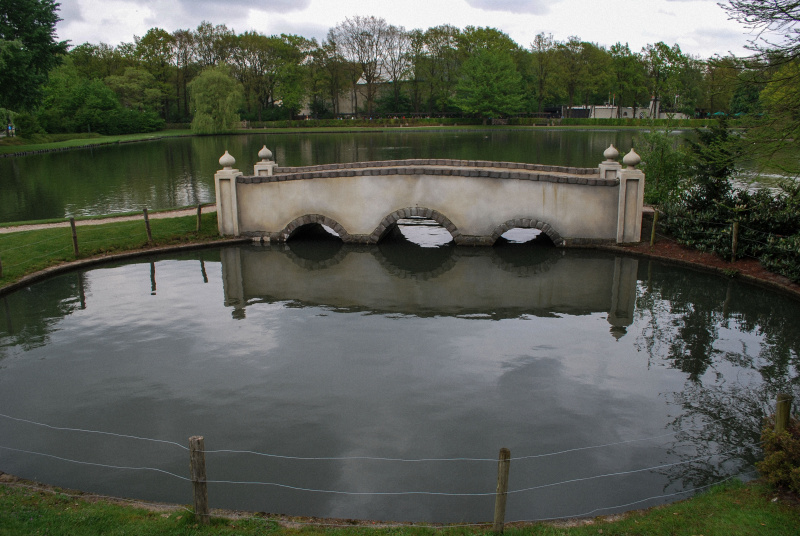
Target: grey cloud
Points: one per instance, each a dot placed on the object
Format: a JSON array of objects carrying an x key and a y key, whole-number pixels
[
  {"x": 70, "y": 12},
  {"x": 536, "y": 7},
  {"x": 225, "y": 6}
]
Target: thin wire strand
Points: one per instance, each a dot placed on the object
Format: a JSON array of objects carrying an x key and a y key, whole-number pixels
[
  {"x": 417, "y": 460},
  {"x": 621, "y": 473},
  {"x": 65, "y": 429},
  {"x": 80, "y": 462}
]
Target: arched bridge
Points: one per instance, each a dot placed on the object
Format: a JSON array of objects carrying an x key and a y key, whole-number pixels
[{"x": 476, "y": 201}]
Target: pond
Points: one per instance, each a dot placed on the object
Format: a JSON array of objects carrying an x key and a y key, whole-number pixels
[
  {"x": 380, "y": 382},
  {"x": 176, "y": 172}
]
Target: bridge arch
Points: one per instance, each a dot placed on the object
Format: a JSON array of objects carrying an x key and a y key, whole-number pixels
[
  {"x": 409, "y": 212},
  {"x": 310, "y": 219},
  {"x": 528, "y": 223}
]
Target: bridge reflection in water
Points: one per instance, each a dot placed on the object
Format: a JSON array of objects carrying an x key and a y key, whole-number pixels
[{"x": 401, "y": 278}]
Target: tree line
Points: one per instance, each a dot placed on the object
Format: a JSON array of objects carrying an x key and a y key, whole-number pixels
[{"x": 364, "y": 66}]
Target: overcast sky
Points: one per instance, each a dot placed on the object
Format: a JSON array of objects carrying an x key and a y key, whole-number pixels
[{"x": 700, "y": 27}]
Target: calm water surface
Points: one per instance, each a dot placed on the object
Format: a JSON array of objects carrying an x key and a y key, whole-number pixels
[
  {"x": 178, "y": 172},
  {"x": 583, "y": 364}
]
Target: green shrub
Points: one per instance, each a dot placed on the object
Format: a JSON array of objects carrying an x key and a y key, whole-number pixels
[{"x": 781, "y": 464}]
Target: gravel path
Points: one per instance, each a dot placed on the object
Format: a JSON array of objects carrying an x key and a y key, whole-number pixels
[{"x": 110, "y": 219}]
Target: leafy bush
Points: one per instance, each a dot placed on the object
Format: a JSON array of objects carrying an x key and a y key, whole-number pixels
[
  {"x": 703, "y": 211},
  {"x": 781, "y": 464}
]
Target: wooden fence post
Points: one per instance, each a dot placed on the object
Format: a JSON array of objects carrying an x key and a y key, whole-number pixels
[
  {"x": 653, "y": 230},
  {"x": 735, "y": 243},
  {"x": 147, "y": 226},
  {"x": 199, "y": 215},
  {"x": 503, "y": 463},
  {"x": 197, "y": 459},
  {"x": 74, "y": 236},
  {"x": 783, "y": 408}
]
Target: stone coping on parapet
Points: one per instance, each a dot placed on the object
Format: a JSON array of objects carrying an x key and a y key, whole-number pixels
[{"x": 462, "y": 168}]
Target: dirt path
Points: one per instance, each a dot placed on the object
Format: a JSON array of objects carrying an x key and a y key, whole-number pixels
[{"x": 110, "y": 219}]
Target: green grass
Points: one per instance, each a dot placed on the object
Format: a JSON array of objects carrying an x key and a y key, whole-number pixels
[
  {"x": 22, "y": 253},
  {"x": 99, "y": 217},
  {"x": 53, "y": 142},
  {"x": 731, "y": 510}
]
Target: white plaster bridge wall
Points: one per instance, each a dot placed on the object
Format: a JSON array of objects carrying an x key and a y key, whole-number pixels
[{"x": 476, "y": 201}]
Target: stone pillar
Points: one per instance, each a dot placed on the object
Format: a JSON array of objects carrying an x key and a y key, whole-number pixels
[
  {"x": 609, "y": 168},
  {"x": 631, "y": 200},
  {"x": 265, "y": 168},
  {"x": 227, "y": 202}
]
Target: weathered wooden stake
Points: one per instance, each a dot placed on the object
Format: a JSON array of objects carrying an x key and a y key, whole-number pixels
[
  {"x": 199, "y": 216},
  {"x": 735, "y": 244},
  {"x": 74, "y": 236},
  {"x": 147, "y": 226},
  {"x": 653, "y": 230},
  {"x": 783, "y": 408},
  {"x": 197, "y": 458},
  {"x": 503, "y": 464}
]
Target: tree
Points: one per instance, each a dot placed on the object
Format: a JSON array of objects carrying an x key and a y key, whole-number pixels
[
  {"x": 362, "y": 41},
  {"x": 156, "y": 51},
  {"x": 572, "y": 67},
  {"x": 212, "y": 44},
  {"x": 543, "y": 62},
  {"x": 396, "y": 60},
  {"x": 216, "y": 97},
  {"x": 439, "y": 65},
  {"x": 136, "y": 89},
  {"x": 775, "y": 67},
  {"x": 490, "y": 85},
  {"x": 28, "y": 50},
  {"x": 628, "y": 83}
]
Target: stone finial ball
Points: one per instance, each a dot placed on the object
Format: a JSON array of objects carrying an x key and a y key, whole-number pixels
[
  {"x": 611, "y": 153},
  {"x": 632, "y": 159},
  {"x": 227, "y": 161},
  {"x": 265, "y": 154}
]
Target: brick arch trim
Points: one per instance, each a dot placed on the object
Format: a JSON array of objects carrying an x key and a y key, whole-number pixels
[
  {"x": 408, "y": 212},
  {"x": 308, "y": 219},
  {"x": 528, "y": 223}
]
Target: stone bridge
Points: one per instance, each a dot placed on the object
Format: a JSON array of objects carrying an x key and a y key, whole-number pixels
[{"x": 476, "y": 201}]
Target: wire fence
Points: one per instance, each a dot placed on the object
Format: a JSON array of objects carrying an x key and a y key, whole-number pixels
[
  {"x": 198, "y": 452},
  {"x": 25, "y": 251}
]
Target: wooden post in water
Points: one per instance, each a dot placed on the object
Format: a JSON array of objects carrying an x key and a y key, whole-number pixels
[
  {"x": 503, "y": 464},
  {"x": 735, "y": 243},
  {"x": 197, "y": 464},
  {"x": 653, "y": 230},
  {"x": 147, "y": 226},
  {"x": 74, "y": 236},
  {"x": 199, "y": 215},
  {"x": 783, "y": 409}
]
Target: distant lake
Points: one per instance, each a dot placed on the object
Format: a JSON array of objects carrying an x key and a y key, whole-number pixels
[{"x": 176, "y": 172}]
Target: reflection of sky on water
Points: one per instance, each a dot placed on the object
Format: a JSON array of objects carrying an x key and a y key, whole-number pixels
[{"x": 307, "y": 378}]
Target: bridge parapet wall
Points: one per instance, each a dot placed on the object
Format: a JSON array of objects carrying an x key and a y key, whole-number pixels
[{"x": 476, "y": 201}]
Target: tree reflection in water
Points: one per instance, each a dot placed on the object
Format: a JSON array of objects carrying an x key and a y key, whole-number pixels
[{"x": 709, "y": 333}]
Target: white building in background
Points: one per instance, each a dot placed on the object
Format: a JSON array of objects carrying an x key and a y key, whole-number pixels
[{"x": 609, "y": 111}]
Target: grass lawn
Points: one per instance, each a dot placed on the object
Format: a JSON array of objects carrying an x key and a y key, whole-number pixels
[
  {"x": 730, "y": 510},
  {"x": 25, "y": 252}
]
